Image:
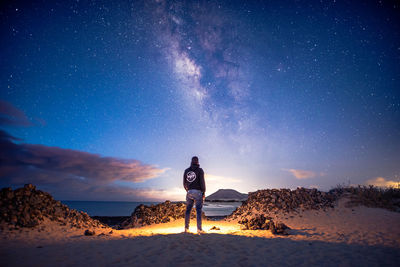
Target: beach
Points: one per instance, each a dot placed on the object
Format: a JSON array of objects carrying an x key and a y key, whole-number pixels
[{"x": 341, "y": 236}]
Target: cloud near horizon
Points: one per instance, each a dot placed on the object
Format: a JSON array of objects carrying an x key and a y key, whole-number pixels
[
  {"x": 382, "y": 182},
  {"x": 303, "y": 174},
  {"x": 12, "y": 116},
  {"x": 71, "y": 174},
  {"x": 173, "y": 194}
]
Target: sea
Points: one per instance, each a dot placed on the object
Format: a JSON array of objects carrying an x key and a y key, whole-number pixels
[{"x": 117, "y": 208}]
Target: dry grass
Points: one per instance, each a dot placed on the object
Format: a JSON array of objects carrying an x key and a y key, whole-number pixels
[{"x": 371, "y": 196}]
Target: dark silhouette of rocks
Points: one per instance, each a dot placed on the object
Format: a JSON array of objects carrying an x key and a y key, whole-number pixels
[
  {"x": 89, "y": 232},
  {"x": 370, "y": 196},
  {"x": 255, "y": 213},
  {"x": 271, "y": 201},
  {"x": 111, "y": 221},
  {"x": 261, "y": 222},
  {"x": 160, "y": 213},
  {"x": 27, "y": 207},
  {"x": 227, "y": 195}
]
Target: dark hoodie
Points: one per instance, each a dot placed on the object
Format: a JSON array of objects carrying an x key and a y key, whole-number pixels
[{"x": 193, "y": 178}]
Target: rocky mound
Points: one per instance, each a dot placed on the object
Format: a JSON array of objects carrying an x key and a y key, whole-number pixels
[
  {"x": 27, "y": 207},
  {"x": 160, "y": 213},
  {"x": 271, "y": 201}
]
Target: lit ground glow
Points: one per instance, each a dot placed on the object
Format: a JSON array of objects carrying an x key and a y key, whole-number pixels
[{"x": 177, "y": 227}]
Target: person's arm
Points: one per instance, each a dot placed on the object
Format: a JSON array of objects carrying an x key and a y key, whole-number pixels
[
  {"x": 184, "y": 182},
  {"x": 202, "y": 183}
]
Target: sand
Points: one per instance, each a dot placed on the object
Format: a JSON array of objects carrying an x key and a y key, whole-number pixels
[{"x": 357, "y": 236}]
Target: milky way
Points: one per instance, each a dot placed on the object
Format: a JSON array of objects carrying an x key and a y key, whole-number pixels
[{"x": 275, "y": 94}]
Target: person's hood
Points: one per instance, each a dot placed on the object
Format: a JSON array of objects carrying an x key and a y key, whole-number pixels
[{"x": 194, "y": 166}]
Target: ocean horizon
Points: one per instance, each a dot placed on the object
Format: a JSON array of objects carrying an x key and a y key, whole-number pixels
[{"x": 125, "y": 208}]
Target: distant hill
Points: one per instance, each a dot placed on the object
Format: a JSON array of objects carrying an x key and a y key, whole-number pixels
[{"x": 226, "y": 195}]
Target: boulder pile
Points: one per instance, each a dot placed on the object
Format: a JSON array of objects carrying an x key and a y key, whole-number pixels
[
  {"x": 27, "y": 207},
  {"x": 272, "y": 201},
  {"x": 160, "y": 213},
  {"x": 260, "y": 222}
]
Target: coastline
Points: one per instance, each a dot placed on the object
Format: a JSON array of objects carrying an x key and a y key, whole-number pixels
[
  {"x": 114, "y": 212},
  {"x": 342, "y": 236}
]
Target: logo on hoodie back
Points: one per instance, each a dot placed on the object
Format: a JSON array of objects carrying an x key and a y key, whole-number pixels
[{"x": 190, "y": 176}]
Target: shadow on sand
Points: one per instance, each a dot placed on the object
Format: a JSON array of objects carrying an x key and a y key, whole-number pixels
[{"x": 200, "y": 250}]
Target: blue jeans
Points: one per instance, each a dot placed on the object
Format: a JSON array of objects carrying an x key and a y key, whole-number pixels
[{"x": 192, "y": 196}]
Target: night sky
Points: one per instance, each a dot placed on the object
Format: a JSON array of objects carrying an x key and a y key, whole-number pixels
[{"x": 109, "y": 100}]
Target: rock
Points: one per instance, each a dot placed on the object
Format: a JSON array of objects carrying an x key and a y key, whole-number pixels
[
  {"x": 261, "y": 222},
  {"x": 269, "y": 201},
  {"x": 256, "y": 211},
  {"x": 257, "y": 222},
  {"x": 29, "y": 187},
  {"x": 272, "y": 227},
  {"x": 160, "y": 213},
  {"x": 89, "y": 232},
  {"x": 27, "y": 207},
  {"x": 281, "y": 228}
]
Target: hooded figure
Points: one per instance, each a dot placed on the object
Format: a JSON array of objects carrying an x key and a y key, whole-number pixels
[
  {"x": 195, "y": 186},
  {"x": 193, "y": 177}
]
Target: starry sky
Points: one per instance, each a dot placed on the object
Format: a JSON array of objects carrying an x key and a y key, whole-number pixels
[{"x": 109, "y": 100}]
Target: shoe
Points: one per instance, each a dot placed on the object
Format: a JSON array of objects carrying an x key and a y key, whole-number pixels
[{"x": 200, "y": 232}]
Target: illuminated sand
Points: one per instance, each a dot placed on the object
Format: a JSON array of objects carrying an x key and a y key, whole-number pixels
[
  {"x": 177, "y": 228},
  {"x": 341, "y": 237}
]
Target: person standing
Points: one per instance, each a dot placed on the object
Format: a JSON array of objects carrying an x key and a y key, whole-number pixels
[{"x": 195, "y": 186}]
